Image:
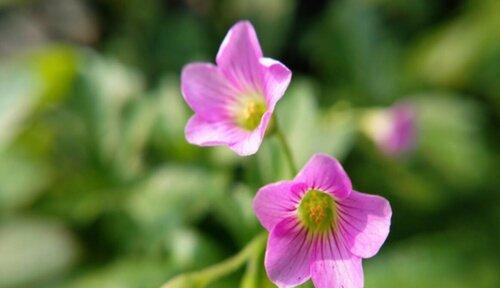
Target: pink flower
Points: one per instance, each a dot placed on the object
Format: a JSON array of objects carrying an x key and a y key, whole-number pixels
[
  {"x": 393, "y": 129},
  {"x": 233, "y": 101},
  {"x": 319, "y": 227}
]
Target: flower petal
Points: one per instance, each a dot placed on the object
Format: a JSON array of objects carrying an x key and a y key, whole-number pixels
[
  {"x": 250, "y": 142},
  {"x": 207, "y": 91},
  {"x": 238, "y": 57},
  {"x": 403, "y": 134},
  {"x": 332, "y": 274},
  {"x": 288, "y": 254},
  {"x": 276, "y": 79},
  {"x": 275, "y": 202},
  {"x": 365, "y": 222},
  {"x": 201, "y": 132},
  {"x": 334, "y": 265},
  {"x": 325, "y": 173}
]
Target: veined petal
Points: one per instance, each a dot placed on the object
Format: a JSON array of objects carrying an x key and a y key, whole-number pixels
[
  {"x": 204, "y": 133},
  {"x": 334, "y": 266},
  {"x": 333, "y": 274},
  {"x": 207, "y": 91},
  {"x": 324, "y": 173},
  {"x": 365, "y": 222},
  {"x": 288, "y": 254},
  {"x": 239, "y": 55},
  {"x": 251, "y": 140},
  {"x": 275, "y": 202},
  {"x": 276, "y": 80}
]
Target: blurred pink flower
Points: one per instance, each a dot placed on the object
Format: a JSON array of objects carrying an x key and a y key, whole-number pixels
[
  {"x": 233, "y": 101},
  {"x": 319, "y": 227},
  {"x": 393, "y": 129}
]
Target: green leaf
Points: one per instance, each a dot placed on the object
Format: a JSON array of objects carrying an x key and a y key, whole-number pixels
[
  {"x": 450, "y": 55},
  {"x": 22, "y": 179},
  {"x": 452, "y": 259},
  {"x": 136, "y": 131},
  {"x": 34, "y": 251},
  {"x": 171, "y": 195},
  {"x": 20, "y": 93},
  {"x": 451, "y": 138},
  {"x": 341, "y": 46},
  {"x": 56, "y": 66},
  {"x": 105, "y": 87},
  {"x": 189, "y": 249},
  {"x": 173, "y": 117},
  {"x": 297, "y": 114},
  {"x": 234, "y": 211},
  {"x": 126, "y": 272}
]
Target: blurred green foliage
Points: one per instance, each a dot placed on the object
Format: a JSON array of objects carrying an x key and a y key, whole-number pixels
[{"x": 98, "y": 187}]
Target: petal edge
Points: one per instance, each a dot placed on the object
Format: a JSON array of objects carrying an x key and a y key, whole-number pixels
[
  {"x": 325, "y": 173},
  {"x": 366, "y": 223}
]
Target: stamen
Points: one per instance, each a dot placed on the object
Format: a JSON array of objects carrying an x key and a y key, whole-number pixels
[
  {"x": 317, "y": 211},
  {"x": 250, "y": 111}
]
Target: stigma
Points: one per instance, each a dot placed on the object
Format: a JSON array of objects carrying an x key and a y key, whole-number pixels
[
  {"x": 250, "y": 111},
  {"x": 317, "y": 211}
]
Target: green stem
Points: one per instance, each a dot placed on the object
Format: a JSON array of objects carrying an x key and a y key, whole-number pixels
[
  {"x": 250, "y": 278},
  {"x": 286, "y": 147},
  {"x": 208, "y": 275},
  {"x": 202, "y": 278}
]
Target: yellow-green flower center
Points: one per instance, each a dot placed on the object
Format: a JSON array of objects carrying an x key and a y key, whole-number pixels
[
  {"x": 317, "y": 211},
  {"x": 250, "y": 111}
]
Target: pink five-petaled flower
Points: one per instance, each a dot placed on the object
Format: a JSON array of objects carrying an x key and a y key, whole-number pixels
[
  {"x": 319, "y": 227},
  {"x": 393, "y": 129},
  {"x": 233, "y": 101}
]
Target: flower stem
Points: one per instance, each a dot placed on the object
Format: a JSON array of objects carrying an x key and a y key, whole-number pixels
[
  {"x": 208, "y": 275},
  {"x": 286, "y": 147}
]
